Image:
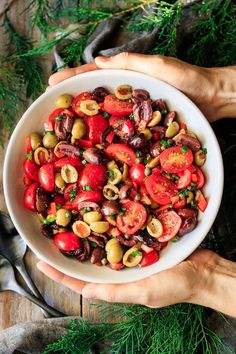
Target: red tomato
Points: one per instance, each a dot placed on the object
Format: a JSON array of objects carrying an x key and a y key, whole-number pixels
[
  {"x": 146, "y": 249},
  {"x": 160, "y": 188},
  {"x": 73, "y": 161},
  {"x": 185, "y": 179},
  {"x": 27, "y": 181},
  {"x": 67, "y": 241},
  {"x": 180, "y": 204},
  {"x": 70, "y": 191},
  {"x": 198, "y": 177},
  {"x": 175, "y": 160},
  {"x": 171, "y": 223},
  {"x": 116, "y": 266},
  {"x": 76, "y": 103},
  {"x": 85, "y": 143},
  {"x": 136, "y": 173},
  {"x": 46, "y": 176},
  {"x": 116, "y": 107},
  {"x": 149, "y": 258},
  {"x": 59, "y": 199},
  {"x": 57, "y": 112},
  {"x": 201, "y": 201},
  {"x": 87, "y": 196},
  {"x": 133, "y": 218},
  {"x": 95, "y": 126},
  {"x": 144, "y": 198},
  {"x": 31, "y": 170},
  {"x": 28, "y": 147},
  {"x": 29, "y": 197},
  {"x": 121, "y": 152},
  {"x": 93, "y": 176},
  {"x": 110, "y": 137}
]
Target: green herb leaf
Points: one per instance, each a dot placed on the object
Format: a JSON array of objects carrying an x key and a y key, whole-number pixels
[
  {"x": 110, "y": 174},
  {"x": 51, "y": 218},
  {"x": 87, "y": 188},
  {"x": 85, "y": 210},
  {"x": 84, "y": 162},
  {"x": 139, "y": 153},
  {"x": 183, "y": 192},
  {"x": 106, "y": 115},
  {"x": 184, "y": 148},
  {"x": 73, "y": 194},
  {"x": 30, "y": 155},
  {"x": 166, "y": 144},
  {"x": 122, "y": 212},
  {"x": 131, "y": 115},
  {"x": 112, "y": 217},
  {"x": 59, "y": 118},
  {"x": 68, "y": 214},
  {"x": 93, "y": 244},
  {"x": 204, "y": 150},
  {"x": 136, "y": 254}
]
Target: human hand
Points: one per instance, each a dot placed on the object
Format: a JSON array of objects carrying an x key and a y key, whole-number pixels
[
  {"x": 186, "y": 282},
  {"x": 207, "y": 87}
]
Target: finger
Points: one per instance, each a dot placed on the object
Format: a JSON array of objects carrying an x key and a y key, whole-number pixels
[
  {"x": 72, "y": 283},
  {"x": 66, "y": 73}
]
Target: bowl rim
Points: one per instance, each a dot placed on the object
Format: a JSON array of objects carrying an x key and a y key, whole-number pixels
[{"x": 6, "y": 170}]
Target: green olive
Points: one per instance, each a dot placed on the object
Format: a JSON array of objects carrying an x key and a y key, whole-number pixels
[
  {"x": 123, "y": 92},
  {"x": 69, "y": 173},
  {"x": 190, "y": 197},
  {"x": 125, "y": 173},
  {"x": 156, "y": 118},
  {"x": 41, "y": 154},
  {"x": 132, "y": 257},
  {"x": 114, "y": 251},
  {"x": 63, "y": 217},
  {"x": 59, "y": 182},
  {"x": 50, "y": 140},
  {"x": 92, "y": 216},
  {"x": 199, "y": 158},
  {"x": 64, "y": 101},
  {"x": 110, "y": 192},
  {"x": 111, "y": 165},
  {"x": 115, "y": 177},
  {"x": 99, "y": 226},
  {"x": 89, "y": 107},
  {"x": 147, "y": 134},
  {"x": 172, "y": 130},
  {"x": 35, "y": 140},
  {"x": 79, "y": 129}
]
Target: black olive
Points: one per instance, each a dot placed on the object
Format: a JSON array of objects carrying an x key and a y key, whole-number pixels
[{"x": 137, "y": 142}]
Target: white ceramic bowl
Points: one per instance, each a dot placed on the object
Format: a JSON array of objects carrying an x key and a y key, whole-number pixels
[{"x": 33, "y": 120}]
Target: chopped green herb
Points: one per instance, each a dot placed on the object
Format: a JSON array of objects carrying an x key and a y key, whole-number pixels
[
  {"x": 164, "y": 112},
  {"x": 122, "y": 212},
  {"x": 106, "y": 115},
  {"x": 80, "y": 152},
  {"x": 68, "y": 214},
  {"x": 204, "y": 150},
  {"x": 139, "y": 159},
  {"x": 131, "y": 115},
  {"x": 138, "y": 153},
  {"x": 171, "y": 205},
  {"x": 110, "y": 174},
  {"x": 84, "y": 162},
  {"x": 58, "y": 206},
  {"x": 136, "y": 254},
  {"x": 93, "y": 244},
  {"x": 166, "y": 143},
  {"x": 175, "y": 239},
  {"x": 72, "y": 193},
  {"x": 45, "y": 221},
  {"x": 184, "y": 148},
  {"x": 192, "y": 187},
  {"x": 51, "y": 218},
  {"x": 30, "y": 155},
  {"x": 112, "y": 217},
  {"x": 58, "y": 118},
  {"x": 193, "y": 203},
  {"x": 87, "y": 188},
  {"x": 50, "y": 132},
  {"x": 183, "y": 192},
  {"x": 85, "y": 210}
]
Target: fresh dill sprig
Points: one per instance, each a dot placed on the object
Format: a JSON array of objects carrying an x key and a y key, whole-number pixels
[{"x": 27, "y": 67}]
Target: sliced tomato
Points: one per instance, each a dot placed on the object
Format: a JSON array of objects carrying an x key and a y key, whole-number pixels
[
  {"x": 149, "y": 258},
  {"x": 180, "y": 204},
  {"x": 184, "y": 180},
  {"x": 93, "y": 176},
  {"x": 171, "y": 223},
  {"x": 133, "y": 219},
  {"x": 198, "y": 177},
  {"x": 27, "y": 181},
  {"x": 46, "y": 176},
  {"x": 95, "y": 126},
  {"x": 115, "y": 107},
  {"x": 67, "y": 241},
  {"x": 144, "y": 198},
  {"x": 73, "y": 161},
  {"x": 162, "y": 209},
  {"x": 201, "y": 201},
  {"x": 110, "y": 137},
  {"x": 122, "y": 153},
  {"x": 87, "y": 196},
  {"x": 31, "y": 170},
  {"x": 28, "y": 146},
  {"x": 109, "y": 219},
  {"x": 29, "y": 197},
  {"x": 56, "y": 113},
  {"x": 59, "y": 199},
  {"x": 136, "y": 173},
  {"x": 85, "y": 143},
  {"x": 160, "y": 188},
  {"x": 76, "y": 103},
  {"x": 70, "y": 191},
  {"x": 175, "y": 160},
  {"x": 116, "y": 266}
]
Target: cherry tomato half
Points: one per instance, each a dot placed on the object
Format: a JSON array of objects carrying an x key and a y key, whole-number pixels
[
  {"x": 93, "y": 176},
  {"x": 29, "y": 197},
  {"x": 133, "y": 219},
  {"x": 87, "y": 196},
  {"x": 46, "y": 176},
  {"x": 76, "y": 103},
  {"x": 67, "y": 241},
  {"x": 184, "y": 180},
  {"x": 174, "y": 159},
  {"x": 31, "y": 170},
  {"x": 95, "y": 126},
  {"x": 116, "y": 107},
  {"x": 121, "y": 152},
  {"x": 149, "y": 258},
  {"x": 160, "y": 188},
  {"x": 171, "y": 223},
  {"x": 136, "y": 173},
  {"x": 198, "y": 177},
  {"x": 70, "y": 191},
  {"x": 73, "y": 161}
]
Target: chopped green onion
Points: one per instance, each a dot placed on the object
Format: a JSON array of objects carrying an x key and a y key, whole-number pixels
[
  {"x": 122, "y": 212},
  {"x": 84, "y": 162},
  {"x": 183, "y": 192},
  {"x": 112, "y": 217},
  {"x": 58, "y": 118},
  {"x": 184, "y": 148},
  {"x": 93, "y": 244},
  {"x": 136, "y": 254},
  {"x": 85, "y": 210},
  {"x": 171, "y": 205},
  {"x": 72, "y": 193},
  {"x": 87, "y": 188},
  {"x": 139, "y": 153},
  {"x": 164, "y": 112},
  {"x": 106, "y": 115},
  {"x": 131, "y": 115},
  {"x": 110, "y": 174},
  {"x": 165, "y": 143},
  {"x": 45, "y": 221},
  {"x": 175, "y": 239},
  {"x": 30, "y": 155},
  {"x": 204, "y": 150},
  {"x": 58, "y": 206},
  {"x": 68, "y": 214}
]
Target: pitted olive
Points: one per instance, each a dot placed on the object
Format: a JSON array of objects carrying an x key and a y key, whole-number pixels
[
  {"x": 35, "y": 140},
  {"x": 89, "y": 107},
  {"x": 69, "y": 173},
  {"x": 155, "y": 228},
  {"x": 56, "y": 148},
  {"x": 123, "y": 92},
  {"x": 41, "y": 155},
  {"x": 169, "y": 118},
  {"x": 92, "y": 216},
  {"x": 172, "y": 130},
  {"x": 114, "y": 251},
  {"x": 125, "y": 172},
  {"x": 190, "y": 197},
  {"x": 133, "y": 256},
  {"x": 199, "y": 158},
  {"x": 78, "y": 129},
  {"x": 147, "y": 134},
  {"x": 156, "y": 118},
  {"x": 50, "y": 140},
  {"x": 63, "y": 217},
  {"x": 59, "y": 181},
  {"x": 64, "y": 101},
  {"x": 110, "y": 192},
  {"x": 115, "y": 176},
  {"x": 99, "y": 226},
  {"x": 153, "y": 162},
  {"x": 111, "y": 164}
]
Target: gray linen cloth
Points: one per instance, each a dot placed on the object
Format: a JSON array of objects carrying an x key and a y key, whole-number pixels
[{"x": 108, "y": 39}]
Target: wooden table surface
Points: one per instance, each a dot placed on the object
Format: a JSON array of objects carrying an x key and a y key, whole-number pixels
[{"x": 15, "y": 309}]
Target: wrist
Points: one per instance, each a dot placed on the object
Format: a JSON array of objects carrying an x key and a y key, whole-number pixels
[{"x": 224, "y": 100}]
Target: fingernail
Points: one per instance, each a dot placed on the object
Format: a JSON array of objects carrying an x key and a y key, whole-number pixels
[{"x": 88, "y": 292}]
